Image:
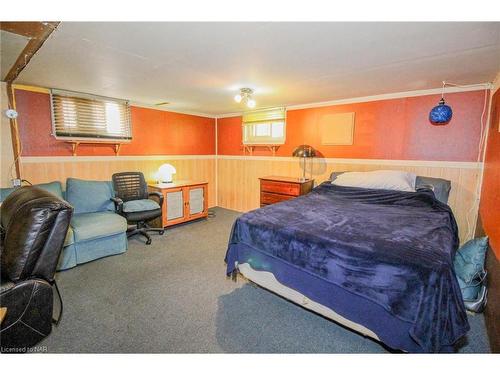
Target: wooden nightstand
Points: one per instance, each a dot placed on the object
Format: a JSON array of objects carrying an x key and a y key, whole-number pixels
[{"x": 274, "y": 189}]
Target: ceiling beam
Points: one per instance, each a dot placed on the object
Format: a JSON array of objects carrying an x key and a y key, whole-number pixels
[
  {"x": 27, "y": 29},
  {"x": 38, "y": 32}
]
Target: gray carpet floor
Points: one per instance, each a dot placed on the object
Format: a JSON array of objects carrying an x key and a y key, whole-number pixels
[{"x": 174, "y": 297}]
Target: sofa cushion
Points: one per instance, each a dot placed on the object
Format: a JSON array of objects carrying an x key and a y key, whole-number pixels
[
  {"x": 93, "y": 225},
  {"x": 89, "y": 196},
  {"x": 4, "y": 192},
  {"x": 70, "y": 237},
  {"x": 140, "y": 205},
  {"x": 53, "y": 187}
]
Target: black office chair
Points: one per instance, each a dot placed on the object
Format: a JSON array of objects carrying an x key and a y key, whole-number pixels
[{"x": 132, "y": 201}]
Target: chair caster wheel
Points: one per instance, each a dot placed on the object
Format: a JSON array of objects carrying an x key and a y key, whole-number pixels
[
  {"x": 148, "y": 242},
  {"x": 161, "y": 232}
]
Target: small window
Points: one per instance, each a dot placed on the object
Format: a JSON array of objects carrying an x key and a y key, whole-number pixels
[
  {"x": 82, "y": 116},
  {"x": 265, "y": 127}
]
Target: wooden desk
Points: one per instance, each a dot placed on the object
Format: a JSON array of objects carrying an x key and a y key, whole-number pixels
[
  {"x": 274, "y": 189},
  {"x": 182, "y": 201}
]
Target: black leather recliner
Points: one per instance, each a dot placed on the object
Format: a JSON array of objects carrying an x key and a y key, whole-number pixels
[{"x": 33, "y": 228}]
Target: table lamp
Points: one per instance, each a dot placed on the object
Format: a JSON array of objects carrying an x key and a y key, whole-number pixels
[
  {"x": 165, "y": 173},
  {"x": 304, "y": 152}
]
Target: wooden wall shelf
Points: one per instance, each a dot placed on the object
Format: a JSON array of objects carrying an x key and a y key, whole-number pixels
[
  {"x": 251, "y": 148},
  {"x": 75, "y": 144}
]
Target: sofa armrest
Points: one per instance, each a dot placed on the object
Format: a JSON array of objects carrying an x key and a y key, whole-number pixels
[
  {"x": 118, "y": 204},
  {"x": 157, "y": 195}
]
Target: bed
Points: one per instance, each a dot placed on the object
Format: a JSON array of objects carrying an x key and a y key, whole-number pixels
[{"x": 379, "y": 262}]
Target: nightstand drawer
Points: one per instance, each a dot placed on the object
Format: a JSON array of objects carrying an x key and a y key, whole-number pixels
[
  {"x": 274, "y": 189},
  {"x": 280, "y": 187},
  {"x": 270, "y": 198}
]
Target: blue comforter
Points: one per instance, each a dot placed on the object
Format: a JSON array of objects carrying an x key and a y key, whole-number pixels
[{"x": 390, "y": 247}]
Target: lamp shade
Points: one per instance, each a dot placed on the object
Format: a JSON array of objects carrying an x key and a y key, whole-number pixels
[
  {"x": 165, "y": 173},
  {"x": 304, "y": 151},
  {"x": 440, "y": 114}
]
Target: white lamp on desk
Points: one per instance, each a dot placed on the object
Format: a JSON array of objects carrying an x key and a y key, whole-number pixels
[{"x": 165, "y": 173}]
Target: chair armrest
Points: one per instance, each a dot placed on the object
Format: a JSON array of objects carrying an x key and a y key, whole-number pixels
[
  {"x": 157, "y": 195},
  {"x": 118, "y": 204}
]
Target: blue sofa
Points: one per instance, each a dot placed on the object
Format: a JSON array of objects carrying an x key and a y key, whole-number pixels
[{"x": 95, "y": 231}]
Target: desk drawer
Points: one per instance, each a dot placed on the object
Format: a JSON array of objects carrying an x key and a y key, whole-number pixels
[
  {"x": 280, "y": 187},
  {"x": 270, "y": 198}
]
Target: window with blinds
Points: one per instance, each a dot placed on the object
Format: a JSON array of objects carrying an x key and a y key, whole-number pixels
[
  {"x": 264, "y": 127},
  {"x": 82, "y": 116}
]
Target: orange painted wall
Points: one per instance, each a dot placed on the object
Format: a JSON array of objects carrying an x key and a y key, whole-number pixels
[
  {"x": 387, "y": 129},
  {"x": 154, "y": 132},
  {"x": 490, "y": 196}
]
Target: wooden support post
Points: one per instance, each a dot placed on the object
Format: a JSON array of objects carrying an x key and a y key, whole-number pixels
[
  {"x": 14, "y": 131},
  {"x": 38, "y": 32}
]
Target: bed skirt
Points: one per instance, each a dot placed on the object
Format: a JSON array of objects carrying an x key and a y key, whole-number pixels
[{"x": 331, "y": 301}]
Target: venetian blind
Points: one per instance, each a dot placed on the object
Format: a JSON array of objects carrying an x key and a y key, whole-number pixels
[{"x": 76, "y": 115}]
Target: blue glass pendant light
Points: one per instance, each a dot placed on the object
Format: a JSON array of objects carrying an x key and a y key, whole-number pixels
[{"x": 441, "y": 114}]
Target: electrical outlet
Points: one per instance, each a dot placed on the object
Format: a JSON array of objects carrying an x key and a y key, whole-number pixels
[{"x": 16, "y": 182}]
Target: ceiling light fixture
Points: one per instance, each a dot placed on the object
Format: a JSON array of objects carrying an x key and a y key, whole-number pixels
[
  {"x": 442, "y": 113},
  {"x": 245, "y": 96}
]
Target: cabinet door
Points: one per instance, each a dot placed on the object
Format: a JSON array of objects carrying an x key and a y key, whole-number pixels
[
  {"x": 198, "y": 204},
  {"x": 174, "y": 201}
]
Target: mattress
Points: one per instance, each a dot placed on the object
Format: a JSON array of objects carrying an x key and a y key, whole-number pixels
[{"x": 381, "y": 259}]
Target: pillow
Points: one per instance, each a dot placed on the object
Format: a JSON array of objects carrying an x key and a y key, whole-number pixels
[
  {"x": 470, "y": 291},
  {"x": 52, "y": 187},
  {"x": 439, "y": 186},
  {"x": 89, "y": 196},
  {"x": 383, "y": 179},
  {"x": 5, "y": 192},
  {"x": 334, "y": 175},
  {"x": 469, "y": 259}
]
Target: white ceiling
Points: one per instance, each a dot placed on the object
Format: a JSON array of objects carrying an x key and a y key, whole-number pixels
[
  {"x": 199, "y": 67},
  {"x": 11, "y": 46}
]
